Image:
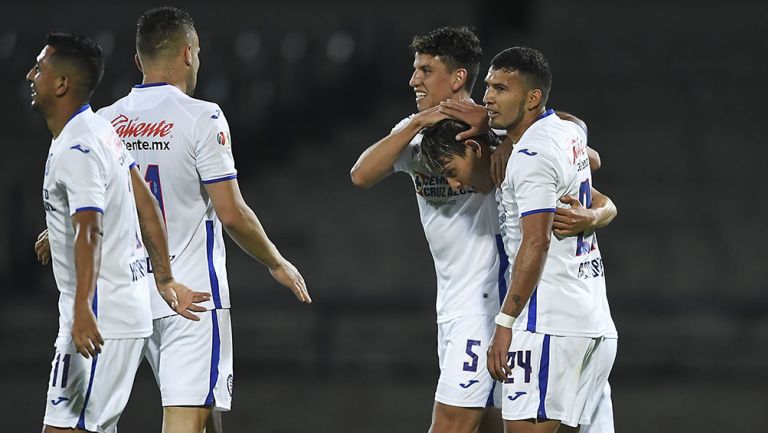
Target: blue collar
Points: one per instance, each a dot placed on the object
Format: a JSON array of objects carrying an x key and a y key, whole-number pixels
[
  {"x": 142, "y": 86},
  {"x": 545, "y": 114},
  {"x": 79, "y": 110}
]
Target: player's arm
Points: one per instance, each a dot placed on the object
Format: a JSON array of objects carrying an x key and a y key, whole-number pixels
[
  {"x": 594, "y": 156},
  {"x": 245, "y": 229},
  {"x": 528, "y": 267},
  {"x": 577, "y": 219},
  {"x": 378, "y": 160},
  {"x": 88, "y": 235},
  {"x": 180, "y": 298},
  {"x": 43, "y": 248},
  {"x": 476, "y": 116}
]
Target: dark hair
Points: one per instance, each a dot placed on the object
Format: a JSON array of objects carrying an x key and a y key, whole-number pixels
[
  {"x": 530, "y": 63},
  {"x": 162, "y": 28},
  {"x": 81, "y": 53},
  {"x": 439, "y": 145},
  {"x": 458, "y": 47}
]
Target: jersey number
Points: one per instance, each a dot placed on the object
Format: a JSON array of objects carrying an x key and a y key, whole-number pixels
[
  {"x": 471, "y": 365},
  {"x": 152, "y": 177},
  {"x": 523, "y": 361},
  {"x": 585, "y": 198},
  {"x": 64, "y": 370}
]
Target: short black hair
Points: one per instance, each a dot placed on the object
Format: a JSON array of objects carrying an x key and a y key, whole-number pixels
[
  {"x": 81, "y": 53},
  {"x": 439, "y": 145},
  {"x": 458, "y": 47},
  {"x": 160, "y": 28},
  {"x": 530, "y": 63}
]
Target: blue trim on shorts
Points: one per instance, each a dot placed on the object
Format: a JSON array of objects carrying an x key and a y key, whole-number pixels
[
  {"x": 211, "y": 269},
  {"x": 215, "y": 355},
  {"x": 490, "y": 402},
  {"x": 531, "y": 327},
  {"x": 543, "y": 377},
  {"x": 81, "y": 421},
  {"x": 503, "y": 266}
]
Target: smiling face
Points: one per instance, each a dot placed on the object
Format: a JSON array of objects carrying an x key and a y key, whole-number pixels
[
  {"x": 43, "y": 80},
  {"x": 431, "y": 81},
  {"x": 505, "y": 98}
]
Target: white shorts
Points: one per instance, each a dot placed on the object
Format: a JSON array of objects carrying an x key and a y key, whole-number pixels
[
  {"x": 91, "y": 393},
  {"x": 559, "y": 378},
  {"x": 464, "y": 381},
  {"x": 602, "y": 418},
  {"x": 192, "y": 361}
]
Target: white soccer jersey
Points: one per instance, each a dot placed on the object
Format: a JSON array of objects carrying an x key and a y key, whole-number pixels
[
  {"x": 181, "y": 143},
  {"x": 549, "y": 161},
  {"x": 88, "y": 169},
  {"x": 463, "y": 234}
]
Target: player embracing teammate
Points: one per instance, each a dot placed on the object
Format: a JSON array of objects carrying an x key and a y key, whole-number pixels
[{"x": 461, "y": 224}]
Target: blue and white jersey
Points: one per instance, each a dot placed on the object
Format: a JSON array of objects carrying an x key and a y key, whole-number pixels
[
  {"x": 462, "y": 230},
  {"x": 88, "y": 170},
  {"x": 549, "y": 161},
  {"x": 180, "y": 144}
]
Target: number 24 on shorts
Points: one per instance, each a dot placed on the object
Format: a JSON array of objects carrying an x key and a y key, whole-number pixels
[{"x": 523, "y": 358}]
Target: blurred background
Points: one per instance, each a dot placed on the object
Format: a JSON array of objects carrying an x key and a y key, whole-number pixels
[{"x": 671, "y": 92}]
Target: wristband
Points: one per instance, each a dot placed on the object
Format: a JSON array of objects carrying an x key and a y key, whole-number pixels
[{"x": 504, "y": 320}]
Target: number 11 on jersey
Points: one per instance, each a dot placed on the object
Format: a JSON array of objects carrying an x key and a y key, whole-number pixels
[{"x": 152, "y": 177}]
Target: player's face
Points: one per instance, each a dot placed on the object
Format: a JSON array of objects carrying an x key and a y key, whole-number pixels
[
  {"x": 468, "y": 171},
  {"x": 42, "y": 80},
  {"x": 505, "y": 96},
  {"x": 431, "y": 81},
  {"x": 194, "y": 67}
]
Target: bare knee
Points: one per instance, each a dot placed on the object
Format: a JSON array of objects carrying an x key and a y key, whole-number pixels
[
  {"x": 185, "y": 419},
  {"x": 453, "y": 419}
]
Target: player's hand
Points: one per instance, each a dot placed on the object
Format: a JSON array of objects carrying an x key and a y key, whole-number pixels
[
  {"x": 499, "y": 160},
  {"x": 429, "y": 117},
  {"x": 476, "y": 116},
  {"x": 287, "y": 274},
  {"x": 570, "y": 222},
  {"x": 183, "y": 300},
  {"x": 43, "y": 247},
  {"x": 85, "y": 332},
  {"x": 498, "y": 354}
]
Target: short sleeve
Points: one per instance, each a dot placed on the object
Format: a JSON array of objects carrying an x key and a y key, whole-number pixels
[
  {"x": 84, "y": 175},
  {"x": 405, "y": 161},
  {"x": 535, "y": 177},
  {"x": 213, "y": 154}
]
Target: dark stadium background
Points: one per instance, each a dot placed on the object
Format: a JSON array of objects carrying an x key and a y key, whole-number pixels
[{"x": 673, "y": 93}]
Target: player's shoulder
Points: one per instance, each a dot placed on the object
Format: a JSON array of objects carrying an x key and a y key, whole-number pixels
[{"x": 200, "y": 109}]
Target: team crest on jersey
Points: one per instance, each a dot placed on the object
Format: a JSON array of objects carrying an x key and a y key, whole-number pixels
[{"x": 221, "y": 138}]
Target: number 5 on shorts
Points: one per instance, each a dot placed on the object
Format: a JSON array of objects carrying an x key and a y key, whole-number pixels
[{"x": 471, "y": 365}]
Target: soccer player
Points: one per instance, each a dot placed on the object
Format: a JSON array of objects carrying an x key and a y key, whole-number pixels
[
  {"x": 91, "y": 201},
  {"x": 565, "y": 340},
  {"x": 184, "y": 150},
  {"x": 461, "y": 227}
]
